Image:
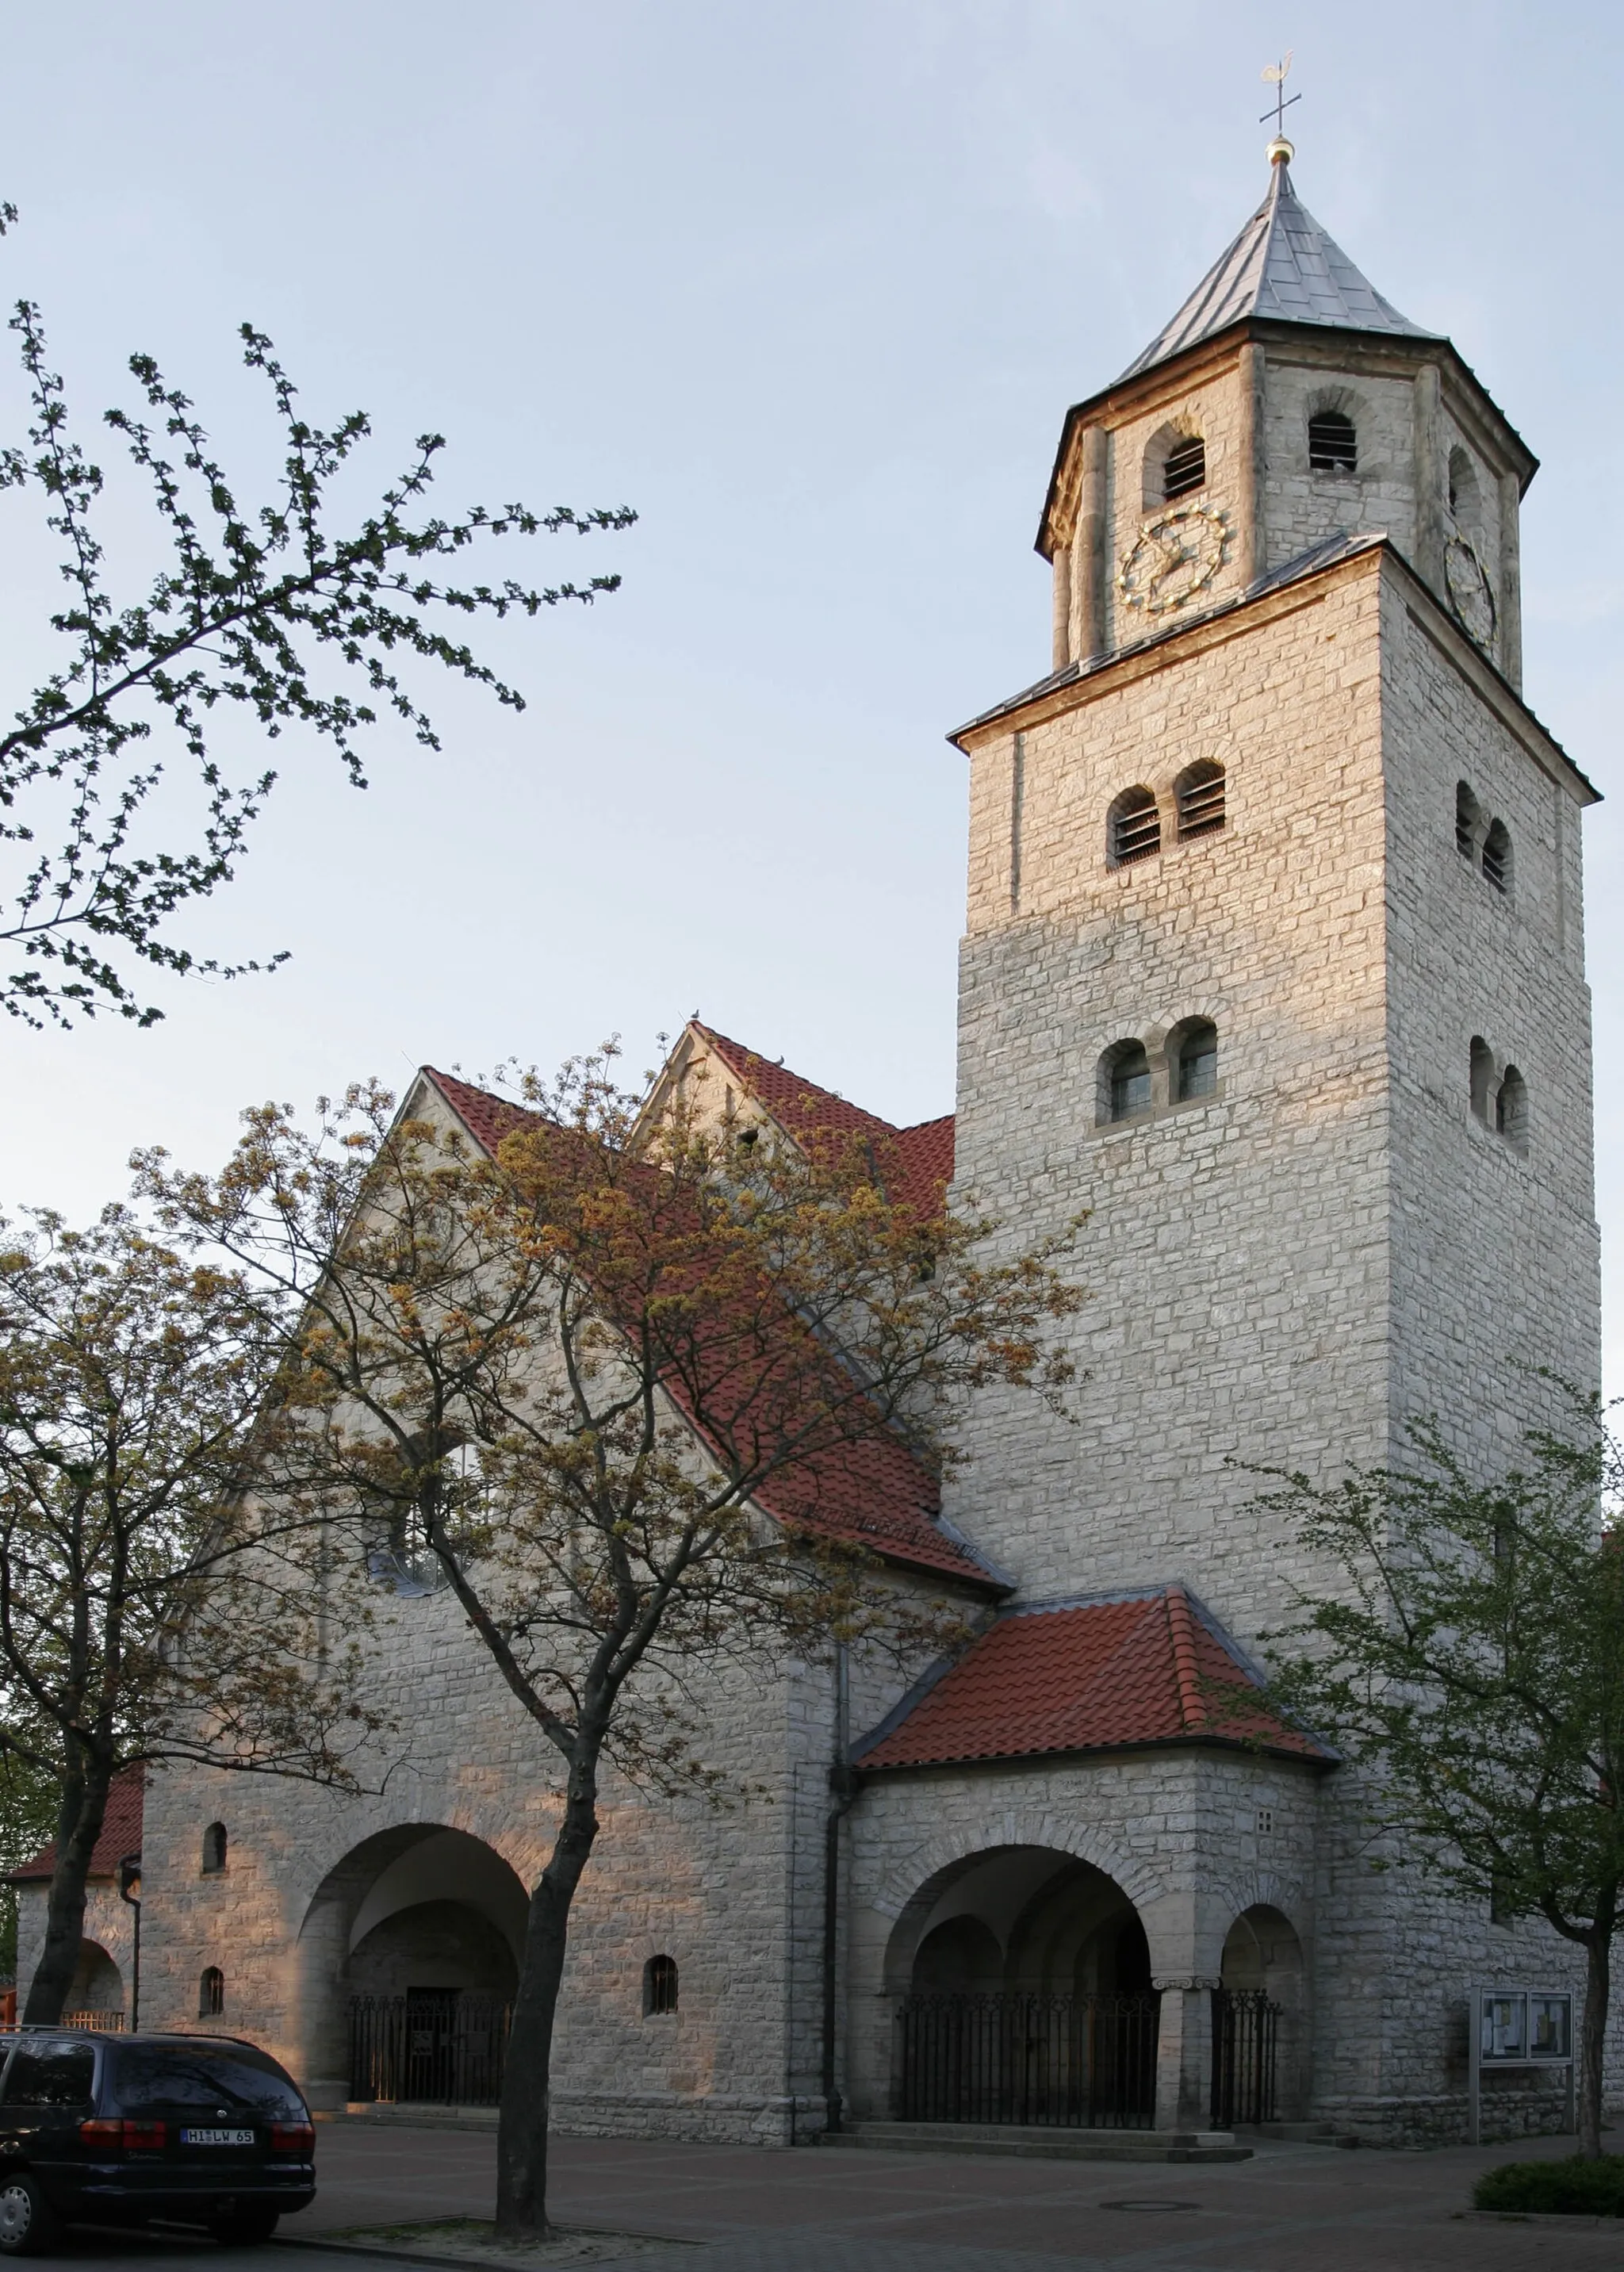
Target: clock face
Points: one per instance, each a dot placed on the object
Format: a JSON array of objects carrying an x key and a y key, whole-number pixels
[
  {"x": 1470, "y": 590},
  {"x": 1173, "y": 559}
]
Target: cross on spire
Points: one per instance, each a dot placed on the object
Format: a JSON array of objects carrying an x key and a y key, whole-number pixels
[{"x": 1275, "y": 75}]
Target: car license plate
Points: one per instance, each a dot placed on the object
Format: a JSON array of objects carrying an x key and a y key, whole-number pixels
[{"x": 217, "y": 2137}]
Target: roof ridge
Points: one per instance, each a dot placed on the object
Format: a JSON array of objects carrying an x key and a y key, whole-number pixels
[{"x": 1181, "y": 1632}]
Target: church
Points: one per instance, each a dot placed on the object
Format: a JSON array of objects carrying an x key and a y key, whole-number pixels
[{"x": 1273, "y": 963}]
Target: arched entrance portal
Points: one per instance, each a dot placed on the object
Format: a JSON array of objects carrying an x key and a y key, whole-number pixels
[
  {"x": 1022, "y": 1984},
  {"x": 409, "y": 1959}
]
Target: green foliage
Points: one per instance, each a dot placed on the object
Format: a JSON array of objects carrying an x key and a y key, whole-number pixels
[
  {"x": 1572, "y": 2187},
  {"x": 253, "y": 604},
  {"x": 1472, "y": 1653},
  {"x": 1469, "y": 1652}
]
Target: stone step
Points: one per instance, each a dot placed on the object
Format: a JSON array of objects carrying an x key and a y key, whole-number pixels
[{"x": 1040, "y": 2144}]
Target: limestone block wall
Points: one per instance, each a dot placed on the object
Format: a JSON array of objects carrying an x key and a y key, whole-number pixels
[
  {"x": 1301, "y": 507},
  {"x": 1235, "y": 1255},
  {"x": 1496, "y": 1246},
  {"x": 733, "y": 1892}
]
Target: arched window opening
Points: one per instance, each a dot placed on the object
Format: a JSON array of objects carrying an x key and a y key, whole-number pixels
[
  {"x": 1333, "y": 444},
  {"x": 1185, "y": 467},
  {"x": 1198, "y": 1059},
  {"x": 213, "y": 1849},
  {"x": 1199, "y": 795},
  {"x": 1511, "y": 1110},
  {"x": 1468, "y": 819},
  {"x": 1497, "y": 856},
  {"x": 1482, "y": 1077},
  {"x": 212, "y": 1994},
  {"x": 427, "y": 1483},
  {"x": 1465, "y": 496},
  {"x": 1133, "y": 830},
  {"x": 1125, "y": 1082},
  {"x": 659, "y": 1987}
]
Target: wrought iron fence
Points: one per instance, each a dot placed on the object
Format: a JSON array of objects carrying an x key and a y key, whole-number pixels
[
  {"x": 1245, "y": 2046},
  {"x": 440, "y": 2045},
  {"x": 1084, "y": 2062}
]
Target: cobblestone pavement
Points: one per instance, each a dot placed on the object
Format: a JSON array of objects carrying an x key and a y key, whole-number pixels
[{"x": 735, "y": 2210}]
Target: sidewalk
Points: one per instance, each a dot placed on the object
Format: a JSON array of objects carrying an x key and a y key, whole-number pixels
[{"x": 1293, "y": 2209}]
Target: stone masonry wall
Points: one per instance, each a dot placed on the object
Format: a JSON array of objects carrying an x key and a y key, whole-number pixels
[
  {"x": 1235, "y": 1253},
  {"x": 734, "y": 1894}
]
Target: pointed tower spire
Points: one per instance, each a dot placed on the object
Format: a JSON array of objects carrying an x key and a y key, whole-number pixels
[{"x": 1285, "y": 267}]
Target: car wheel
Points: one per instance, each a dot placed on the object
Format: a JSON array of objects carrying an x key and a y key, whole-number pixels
[
  {"x": 245, "y": 2228},
  {"x": 29, "y": 2223}
]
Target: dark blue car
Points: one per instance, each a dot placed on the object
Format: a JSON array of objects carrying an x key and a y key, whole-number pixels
[{"x": 197, "y": 2130}]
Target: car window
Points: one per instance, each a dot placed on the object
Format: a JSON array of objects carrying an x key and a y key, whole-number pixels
[
  {"x": 241, "y": 2080},
  {"x": 51, "y": 2075}
]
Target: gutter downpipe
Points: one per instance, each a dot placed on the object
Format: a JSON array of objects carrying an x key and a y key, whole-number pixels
[{"x": 843, "y": 1788}]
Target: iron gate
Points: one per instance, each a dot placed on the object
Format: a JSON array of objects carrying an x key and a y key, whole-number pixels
[
  {"x": 436, "y": 2044},
  {"x": 1070, "y": 2062},
  {"x": 1245, "y": 2043}
]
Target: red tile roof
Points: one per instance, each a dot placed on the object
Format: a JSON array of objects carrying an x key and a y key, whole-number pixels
[
  {"x": 874, "y": 1492},
  {"x": 1152, "y": 1668},
  {"x": 915, "y": 1163},
  {"x": 121, "y": 1831}
]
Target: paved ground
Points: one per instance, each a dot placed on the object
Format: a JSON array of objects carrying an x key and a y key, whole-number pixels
[{"x": 1294, "y": 2208}]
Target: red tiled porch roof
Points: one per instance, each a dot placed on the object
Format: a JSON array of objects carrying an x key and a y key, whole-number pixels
[
  {"x": 121, "y": 1832},
  {"x": 1150, "y": 1668}
]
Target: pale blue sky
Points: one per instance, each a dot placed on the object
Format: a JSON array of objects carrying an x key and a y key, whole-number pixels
[{"x": 811, "y": 287}]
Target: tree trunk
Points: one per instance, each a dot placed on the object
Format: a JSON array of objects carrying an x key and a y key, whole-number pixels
[
  {"x": 78, "y": 1826},
  {"x": 1592, "y": 2036},
  {"x": 521, "y": 2133}
]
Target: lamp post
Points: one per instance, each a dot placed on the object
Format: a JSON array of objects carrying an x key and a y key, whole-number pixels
[{"x": 129, "y": 1890}]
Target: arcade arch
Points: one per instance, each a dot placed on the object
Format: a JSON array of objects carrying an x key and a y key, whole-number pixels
[
  {"x": 1262, "y": 1955},
  {"x": 1020, "y": 1975}
]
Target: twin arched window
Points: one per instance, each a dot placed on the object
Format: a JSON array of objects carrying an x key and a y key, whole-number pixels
[
  {"x": 1134, "y": 823},
  {"x": 1129, "y": 1078},
  {"x": 213, "y": 1849},
  {"x": 212, "y": 1994},
  {"x": 659, "y": 1987},
  {"x": 1486, "y": 847},
  {"x": 1499, "y": 1098}
]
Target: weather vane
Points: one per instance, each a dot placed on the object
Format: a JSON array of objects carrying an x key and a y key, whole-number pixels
[{"x": 1275, "y": 75}]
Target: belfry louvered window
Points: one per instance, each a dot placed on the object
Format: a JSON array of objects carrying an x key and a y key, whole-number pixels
[
  {"x": 1185, "y": 467},
  {"x": 1332, "y": 446},
  {"x": 1497, "y": 856},
  {"x": 1135, "y": 828},
  {"x": 1200, "y": 795}
]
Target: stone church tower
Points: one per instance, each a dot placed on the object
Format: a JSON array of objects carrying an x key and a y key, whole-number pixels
[{"x": 1274, "y": 964}]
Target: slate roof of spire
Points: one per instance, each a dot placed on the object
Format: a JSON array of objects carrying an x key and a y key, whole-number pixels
[{"x": 1282, "y": 267}]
